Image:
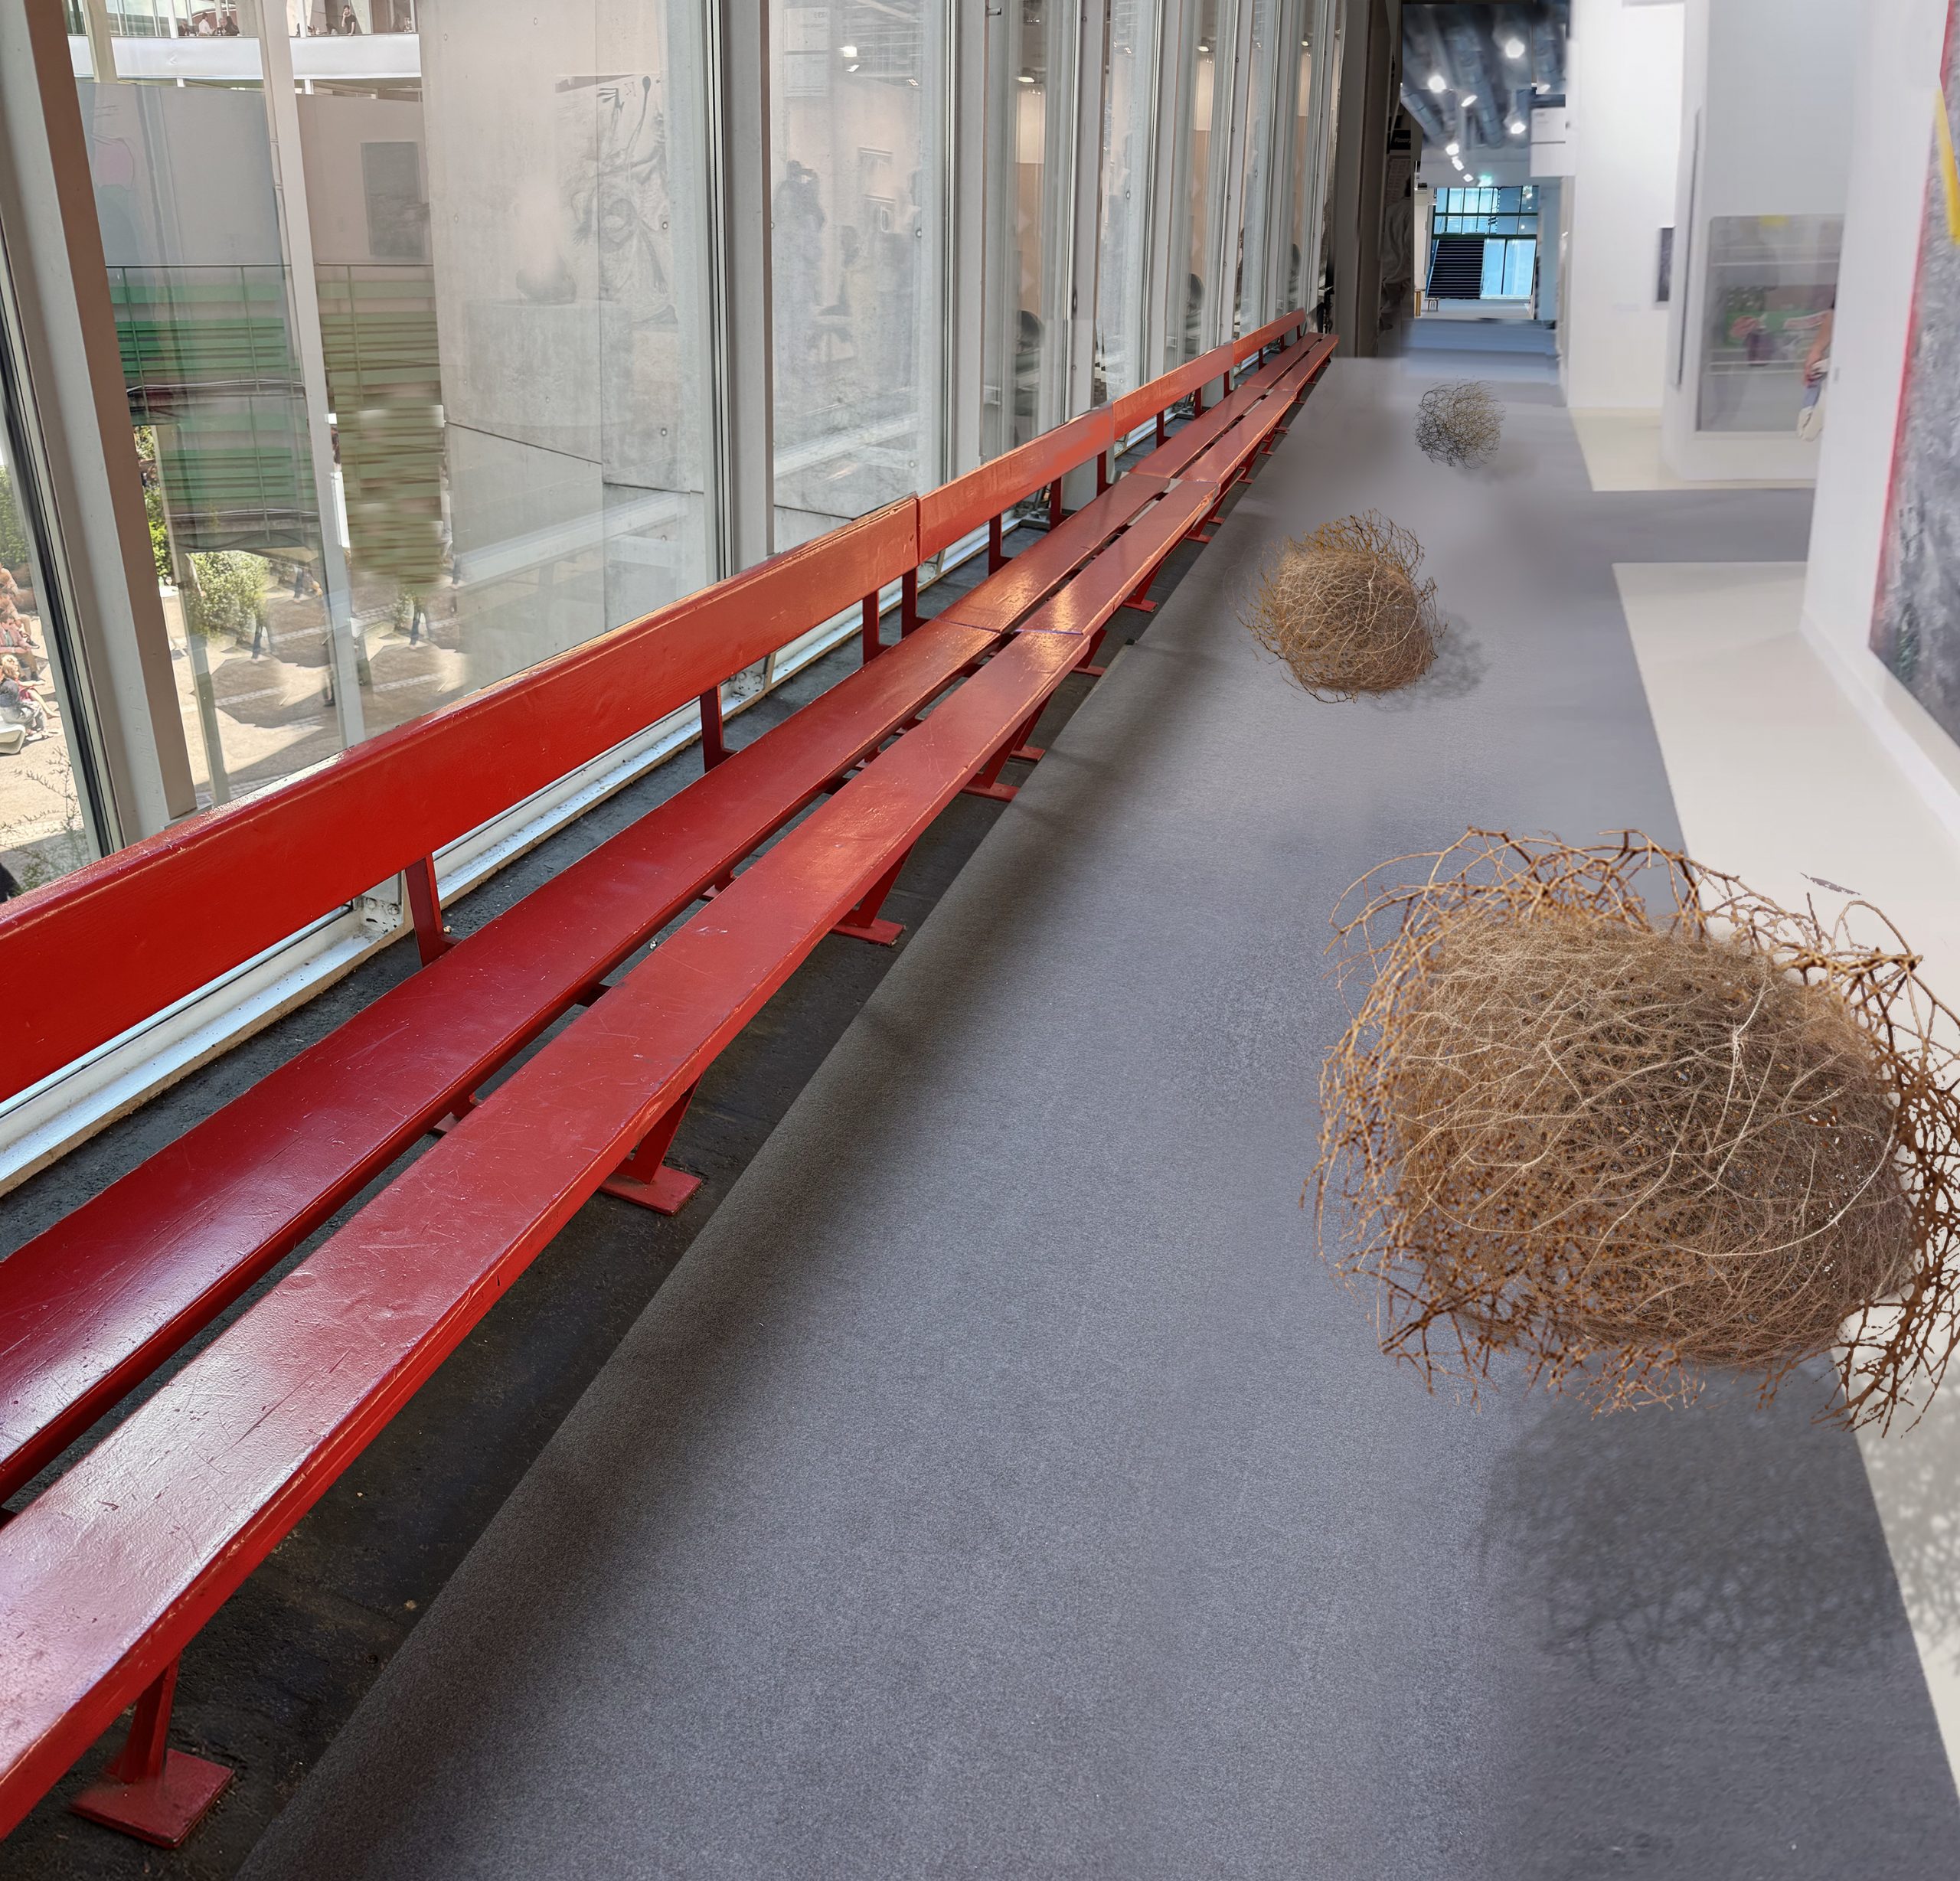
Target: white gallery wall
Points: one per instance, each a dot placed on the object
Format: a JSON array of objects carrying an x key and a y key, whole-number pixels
[
  {"x": 1624, "y": 88},
  {"x": 1765, "y": 133},
  {"x": 1896, "y": 83}
]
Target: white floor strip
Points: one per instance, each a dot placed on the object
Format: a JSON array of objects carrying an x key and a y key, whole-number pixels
[
  {"x": 1777, "y": 777},
  {"x": 1622, "y": 452}
]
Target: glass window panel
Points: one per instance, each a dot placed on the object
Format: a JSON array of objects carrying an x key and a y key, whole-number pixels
[
  {"x": 45, "y": 820},
  {"x": 1295, "y": 285},
  {"x": 856, "y": 103},
  {"x": 199, "y": 279},
  {"x": 1520, "y": 267},
  {"x": 1128, "y": 113},
  {"x": 1029, "y": 226},
  {"x": 1190, "y": 213},
  {"x": 1249, "y": 294},
  {"x": 438, "y": 412}
]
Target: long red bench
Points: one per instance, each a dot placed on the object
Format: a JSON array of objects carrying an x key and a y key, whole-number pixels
[{"x": 93, "y": 1305}]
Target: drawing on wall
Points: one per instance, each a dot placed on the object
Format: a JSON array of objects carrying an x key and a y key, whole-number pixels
[{"x": 1916, "y": 628}]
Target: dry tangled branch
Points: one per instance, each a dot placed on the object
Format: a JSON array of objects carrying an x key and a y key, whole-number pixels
[
  {"x": 1628, "y": 1145},
  {"x": 1459, "y": 424},
  {"x": 1343, "y": 608}
]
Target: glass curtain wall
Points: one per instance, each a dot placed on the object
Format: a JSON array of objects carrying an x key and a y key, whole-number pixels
[
  {"x": 858, "y": 108},
  {"x": 417, "y": 306},
  {"x": 437, "y": 413}
]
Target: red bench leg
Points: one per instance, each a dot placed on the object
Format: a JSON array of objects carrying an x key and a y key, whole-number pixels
[
  {"x": 862, "y": 922},
  {"x": 645, "y": 1176},
  {"x": 1090, "y": 652},
  {"x": 432, "y": 939},
  {"x": 986, "y": 780},
  {"x": 713, "y": 748},
  {"x": 1021, "y": 749},
  {"x": 151, "y": 1791}
]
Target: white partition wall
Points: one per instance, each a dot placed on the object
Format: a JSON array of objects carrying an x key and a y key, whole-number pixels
[
  {"x": 1767, "y": 147},
  {"x": 1626, "y": 133}
]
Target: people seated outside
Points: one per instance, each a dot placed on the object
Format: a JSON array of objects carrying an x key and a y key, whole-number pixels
[
  {"x": 16, "y": 639},
  {"x": 20, "y": 704}
]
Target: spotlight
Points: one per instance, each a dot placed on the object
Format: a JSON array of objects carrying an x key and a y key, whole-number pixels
[
  {"x": 846, "y": 52},
  {"x": 1452, "y": 150},
  {"x": 1513, "y": 48},
  {"x": 1468, "y": 98},
  {"x": 1438, "y": 83},
  {"x": 1516, "y": 127},
  {"x": 1025, "y": 78}
]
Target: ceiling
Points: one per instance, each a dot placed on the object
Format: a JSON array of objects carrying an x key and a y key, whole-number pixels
[{"x": 1487, "y": 86}]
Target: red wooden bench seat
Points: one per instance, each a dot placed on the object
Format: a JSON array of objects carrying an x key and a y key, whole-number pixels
[
  {"x": 106, "y": 1574},
  {"x": 115, "y": 1566},
  {"x": 88, "y": 1308}
]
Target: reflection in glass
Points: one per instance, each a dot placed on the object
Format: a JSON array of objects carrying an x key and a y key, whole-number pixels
[
  {"x": 1773, "y": 284},
  {"x": 434, "y": 414},
  {"x": 856, "y": 171}
]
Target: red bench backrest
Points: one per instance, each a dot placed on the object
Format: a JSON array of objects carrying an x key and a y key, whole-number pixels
[
  {"x": 1248, "y": 344},
  {"x": 1138, "y": 407},
  {"x": 123, "y": 939},
  {"x": 949, "y": 512}
]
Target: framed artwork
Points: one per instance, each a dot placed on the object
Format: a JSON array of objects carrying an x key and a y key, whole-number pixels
[{"x": 1916, "y": 629}]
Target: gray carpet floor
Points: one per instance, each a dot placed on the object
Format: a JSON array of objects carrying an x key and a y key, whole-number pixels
[{"x": 1000, "y": 1487}]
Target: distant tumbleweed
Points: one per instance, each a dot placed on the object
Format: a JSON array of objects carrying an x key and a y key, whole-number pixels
[
  {"x": 1461, "y": 424},
  {"x": 1344, "y": 610}
]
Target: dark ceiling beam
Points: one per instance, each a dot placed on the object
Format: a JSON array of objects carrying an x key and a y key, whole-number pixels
[
  {"x": 1469, "y": 49},
  {"x": 1548, "y": 56},
  {"x": 1421, "y": 105}
]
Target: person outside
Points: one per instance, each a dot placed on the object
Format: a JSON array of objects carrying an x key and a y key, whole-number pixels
[
  {"x": 16, "y": 640},
  {"x": 20, "y": 704}
]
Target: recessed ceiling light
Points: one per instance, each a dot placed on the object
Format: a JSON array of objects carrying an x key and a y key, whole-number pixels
[
  {"x": 1468, "y": 98},
  {"x": 1541, "y": 86},
  {"x": 1204, "y": 48},
  {"x": 1027, "y": 78},
  {"x": 1452, "y": 150},
  {"x": 846, "y": 52},
  {"x": 1513, "y": 48},
  {"x": 1517, "y": 127},
  {"x": 852, "y": 66},
  {"x": 1438, "y": 81}
]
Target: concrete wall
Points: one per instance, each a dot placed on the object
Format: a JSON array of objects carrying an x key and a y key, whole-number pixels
[
  {"x": 1624, "y": 87},
  {"x": 1896, "y": 79}
]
